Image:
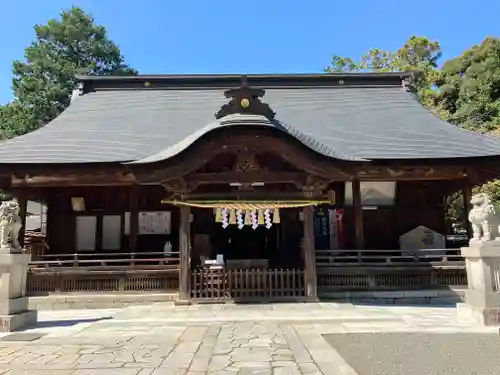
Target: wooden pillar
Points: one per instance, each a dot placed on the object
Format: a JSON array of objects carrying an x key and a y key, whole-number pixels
[
  {"x": 184, "y": 252},
  {"x": 309, "y": 253},
  {"x": 23, "y": 209},
  {"x": 358, "y": 215},
  {"x": 466, "y": 194},
  {"x": 134, "y": 218}
]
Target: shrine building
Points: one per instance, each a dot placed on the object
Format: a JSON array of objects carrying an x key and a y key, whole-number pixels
[{"x": 231, "y": 187}]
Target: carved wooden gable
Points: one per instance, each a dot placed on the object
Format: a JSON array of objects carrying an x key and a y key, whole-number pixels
[{"x": 245, "y": 99}]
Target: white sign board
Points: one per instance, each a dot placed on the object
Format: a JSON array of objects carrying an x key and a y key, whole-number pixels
[
  {"x": 422, "y": 238},
  {"x": 154, "y": 222}
]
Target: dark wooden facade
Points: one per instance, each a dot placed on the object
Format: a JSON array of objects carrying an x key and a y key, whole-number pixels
[
  {"x": 240, "y": 162},
  {"x": 288, "y": 171}
]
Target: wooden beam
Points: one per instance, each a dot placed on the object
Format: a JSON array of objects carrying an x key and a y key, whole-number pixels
[
  {"x": 246, "y": 177},
  {"x": 256, "y": 194},
  {"x": 184, "y": 253},
  {"x": 309, "y": 253},
  {"x": 62, "y": 180},
  {"x": 358, "y": 215},
  {"x": 331, "y": 171},
  {"x": 257, "y": 140},
  {"x": 98, "y": 232},
  {"x": 466, "y": 195},
  {"x": 373, "y": 172},
  {"x": 22, "y": 199},
  {"x": 134, "y": 218}
]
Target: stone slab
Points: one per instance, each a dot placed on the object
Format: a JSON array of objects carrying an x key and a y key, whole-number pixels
[
  {"x": 14, "y": 305},
  {"x": 22, "y": 337},
  {"x": 9, "y": 323}
]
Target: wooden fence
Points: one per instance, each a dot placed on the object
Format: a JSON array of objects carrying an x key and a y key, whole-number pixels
[
  {"x": 389, "y": 269},
  {"x": 337, "y": 270},
  {"x": 389, "y": 278},
  {"x": 108, "y": 260},
  {"x": 36, "y": 250},
  {"x": 434, "y": 257},
  {"x": 104, "y": 272},
  {"x": 242, "y": 285},
  {"x": 42, "y": 283}
]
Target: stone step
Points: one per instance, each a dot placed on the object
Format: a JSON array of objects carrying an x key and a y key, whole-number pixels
[
  {"x": 79, "y": 301},
  {"x": 444, "y": 296}
]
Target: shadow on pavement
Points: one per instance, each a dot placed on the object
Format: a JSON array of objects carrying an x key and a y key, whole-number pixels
[{"x": 66, "y": 322}]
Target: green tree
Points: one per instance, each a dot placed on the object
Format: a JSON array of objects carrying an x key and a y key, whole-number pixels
[
  {"x": 469, "y": 88},
  {"x": 418, "y": 55},
  {"x": 468, "y": 95},
  {"x": 465, "y": 91},
  {"x": 43, "y": 82},
  {"x": 15, "y": 120}
]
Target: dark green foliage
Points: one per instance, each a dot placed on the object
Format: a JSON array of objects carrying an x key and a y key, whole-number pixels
[
  {"x": 43, "y": 82},
  {"x": 419, "y": 55},
  {"x": 469, "y": 87},
  {"x": 465, "y": 91}
]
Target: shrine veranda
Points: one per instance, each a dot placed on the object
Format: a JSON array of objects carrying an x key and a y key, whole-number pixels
[{"x": 245, "y": 188}]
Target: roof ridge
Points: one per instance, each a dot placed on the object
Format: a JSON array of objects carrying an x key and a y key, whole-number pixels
[
  {"x": 239, "y": 75},
  {"x": 277, "y": 87},
  {"x": 151, "y": 82}
]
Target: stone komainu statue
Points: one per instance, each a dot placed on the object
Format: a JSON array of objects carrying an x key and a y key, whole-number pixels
[
  {"x": 482, "y": 216},
  {"x": 10, "y": 224}
]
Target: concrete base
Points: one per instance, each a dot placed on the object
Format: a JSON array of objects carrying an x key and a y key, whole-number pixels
[
  {"x": 485, "y": 316},
  {"x": 83, "y": 301},
  {"x": 9, "y": 323},
  {"x": 182, "y": 302},
  {"x": 442, "y": 296},
  {"x": 14, "y": 306}
]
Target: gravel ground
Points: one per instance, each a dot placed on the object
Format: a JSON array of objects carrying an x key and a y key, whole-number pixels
[{"x": 419, "y": 353}]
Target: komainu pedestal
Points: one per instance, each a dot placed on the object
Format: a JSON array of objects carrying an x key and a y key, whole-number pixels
[
  {"x": 14, "y": 313},
  {"x": 482, "y": 299}
]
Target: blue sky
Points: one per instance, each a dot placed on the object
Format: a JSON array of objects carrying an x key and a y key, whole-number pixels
[{"x": 258, "y": 36}]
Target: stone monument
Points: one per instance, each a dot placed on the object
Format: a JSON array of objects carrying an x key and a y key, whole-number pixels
[
  {"x": 14, "y": 312},
  {"x": 421, "y": 238},
  {"x": 482, "y": 259}
]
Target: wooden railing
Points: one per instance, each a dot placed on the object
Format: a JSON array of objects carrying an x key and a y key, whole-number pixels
[
  {"x": 389, "y": 269},
  {"x": 41, "y": 283},
  {"x": 248, "y": 285},
  {"x": 36, "y": 250},
  {"x": 143, "y": 260},
  {"x": 389, "y": 278},
  {"x": 336, "y": 270},
  {"x": 436, "y": 257},
  {"x": 106, "y": 272}
]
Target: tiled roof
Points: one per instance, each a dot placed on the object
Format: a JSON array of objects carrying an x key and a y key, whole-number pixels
[{"x": 350, "y": 122}]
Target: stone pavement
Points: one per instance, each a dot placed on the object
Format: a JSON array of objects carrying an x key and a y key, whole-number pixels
[{"x": 163, "y": 339}]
